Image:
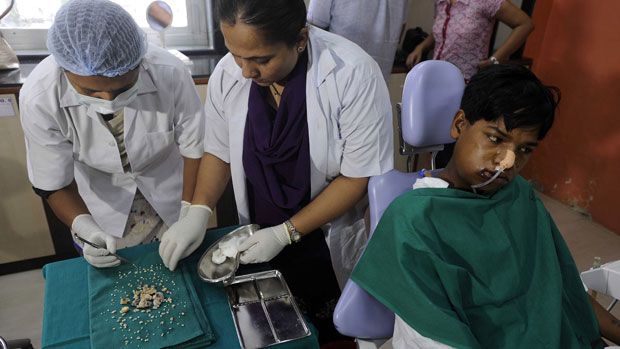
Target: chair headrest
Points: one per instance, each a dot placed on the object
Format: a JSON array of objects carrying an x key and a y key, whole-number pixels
[{"x": 431, "y": 97}]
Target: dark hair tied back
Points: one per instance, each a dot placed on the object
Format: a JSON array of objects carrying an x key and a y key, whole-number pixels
[{"x": 279, "y": 20}]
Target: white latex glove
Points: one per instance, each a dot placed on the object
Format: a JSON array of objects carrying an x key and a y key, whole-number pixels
[
  {"x": 184, "y": 208},
  {"x": 85, "y": 227},
  {"x": 265, "y": 244},
  {"x": 184, "y": 236}
]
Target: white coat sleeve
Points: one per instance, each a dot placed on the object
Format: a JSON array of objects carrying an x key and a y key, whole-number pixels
[
  {"x": 319, "y": 13},
  {"x": 406, "y": 337},
  {"x": 366, "y": 125},
  {"x": 49, "y": 154},
  {"x": 216, "y": 126},
  {"x": 189, "y": 117}
]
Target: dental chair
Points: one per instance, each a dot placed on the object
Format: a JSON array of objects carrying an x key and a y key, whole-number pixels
[{"x": 431, "y": 97}]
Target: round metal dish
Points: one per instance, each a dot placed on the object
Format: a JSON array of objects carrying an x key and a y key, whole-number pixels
[{"x": 223, "y": 273}]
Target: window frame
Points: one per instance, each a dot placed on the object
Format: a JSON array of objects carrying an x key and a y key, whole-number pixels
[{"x": 198, "y": 35}]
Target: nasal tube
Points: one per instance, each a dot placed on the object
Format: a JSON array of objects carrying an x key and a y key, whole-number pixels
[{"x": 507, "y": 162}]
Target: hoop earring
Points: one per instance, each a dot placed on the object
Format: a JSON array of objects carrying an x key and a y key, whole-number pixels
[{"x": 300, "y": 49}]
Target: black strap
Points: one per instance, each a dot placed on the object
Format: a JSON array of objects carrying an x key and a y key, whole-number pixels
[{"x": 43, "y": 193}]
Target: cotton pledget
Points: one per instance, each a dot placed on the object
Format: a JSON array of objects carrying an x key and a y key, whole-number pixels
[{"x": 227, "y": 249}]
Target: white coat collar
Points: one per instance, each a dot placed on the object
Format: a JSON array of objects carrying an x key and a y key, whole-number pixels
[
  {"x": 70, "y": 99},
  {"x": 320, "y": 53},
  {"x": 233, "y": 70}
]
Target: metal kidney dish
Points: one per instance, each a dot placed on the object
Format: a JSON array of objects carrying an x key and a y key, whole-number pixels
[{"x": 224, "y": 273}]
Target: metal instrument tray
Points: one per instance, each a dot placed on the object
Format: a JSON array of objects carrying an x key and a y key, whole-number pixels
[{"x": 264, "y": 311}]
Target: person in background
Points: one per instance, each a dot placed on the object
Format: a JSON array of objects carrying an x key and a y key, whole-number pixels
[
  {"x": 469, "y": 259},
  {"x": 114, "y": 130},
  {"x": 375, "y": 25},
  {"x": 462, "y": 32},
  {"x": 300, "y": 118}
]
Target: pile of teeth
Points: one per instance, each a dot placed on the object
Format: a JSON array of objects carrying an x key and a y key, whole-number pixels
[
  {"x": 146, "y": 297},
  {"x": 227, "y": 249},
  {"x": 149, "y": 309}
]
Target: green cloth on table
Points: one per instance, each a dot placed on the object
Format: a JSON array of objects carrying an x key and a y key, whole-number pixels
[
  {"x": 65, "y": 311},
  {"x": 472, "y": 271},
  {"x": 180, "y": 324},
  {"x": 66, "y": 315}
]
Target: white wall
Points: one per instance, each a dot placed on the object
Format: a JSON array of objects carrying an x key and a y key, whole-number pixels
[
  {"x": 24, "y": 233},
  {"x": 421, "y": 13}
]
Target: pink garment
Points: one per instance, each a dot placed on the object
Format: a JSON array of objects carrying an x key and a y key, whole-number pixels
[{"x": 462, "y": 32}]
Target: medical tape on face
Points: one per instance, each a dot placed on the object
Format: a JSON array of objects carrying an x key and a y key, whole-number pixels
[{"x": 507, "y": 162}]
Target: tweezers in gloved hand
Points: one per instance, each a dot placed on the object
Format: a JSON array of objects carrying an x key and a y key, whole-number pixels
[{"x": 122, "y": 259}]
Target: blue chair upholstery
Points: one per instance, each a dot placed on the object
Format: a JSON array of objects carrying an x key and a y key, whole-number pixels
[{"x": 431, "y": 97}]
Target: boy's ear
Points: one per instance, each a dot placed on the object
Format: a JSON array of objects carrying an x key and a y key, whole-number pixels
[{"x": 458, "y": 124}]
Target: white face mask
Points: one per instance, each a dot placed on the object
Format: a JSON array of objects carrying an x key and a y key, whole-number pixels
[{"x": 103, "y": 106}]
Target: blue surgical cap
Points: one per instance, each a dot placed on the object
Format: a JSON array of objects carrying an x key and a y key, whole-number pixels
[{"x": 96, "y": 37}]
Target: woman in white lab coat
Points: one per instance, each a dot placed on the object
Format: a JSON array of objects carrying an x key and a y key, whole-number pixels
[
  {"x": 113, "y": 129},
  {"x": 299, "y": 118}
]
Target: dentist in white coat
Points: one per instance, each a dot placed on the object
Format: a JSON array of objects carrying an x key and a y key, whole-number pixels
[
  {"x": 299, "y": 118},
  {"x": 114, "y": 130}
]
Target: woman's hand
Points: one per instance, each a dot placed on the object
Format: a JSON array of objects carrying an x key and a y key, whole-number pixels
[
  {"x": 418, "y": 52},
  {"x": 264, "y": 245},
  {"x": 184, "y": 236},
  {"x": 484, "y": 63},
  {"x": 414, "y": 57}
]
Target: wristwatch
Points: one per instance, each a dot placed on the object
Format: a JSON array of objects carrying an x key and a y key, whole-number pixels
[
  {"x": 292, "y": 231},
  {"x": 493, "y": 60}
]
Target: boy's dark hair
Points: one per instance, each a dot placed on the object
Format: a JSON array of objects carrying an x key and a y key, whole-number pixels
[
  {"x": 511, "y": 91},
  {"x": 279, "y": 20}
]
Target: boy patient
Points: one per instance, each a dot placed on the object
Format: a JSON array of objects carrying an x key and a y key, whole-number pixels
[{"x": 471, "y": 258}]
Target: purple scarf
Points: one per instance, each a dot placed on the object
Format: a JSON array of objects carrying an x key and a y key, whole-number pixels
[{"x": 276, "y": 153}]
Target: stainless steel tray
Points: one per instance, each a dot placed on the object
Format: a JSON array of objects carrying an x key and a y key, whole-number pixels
[{"x": 264, "y": 311}]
